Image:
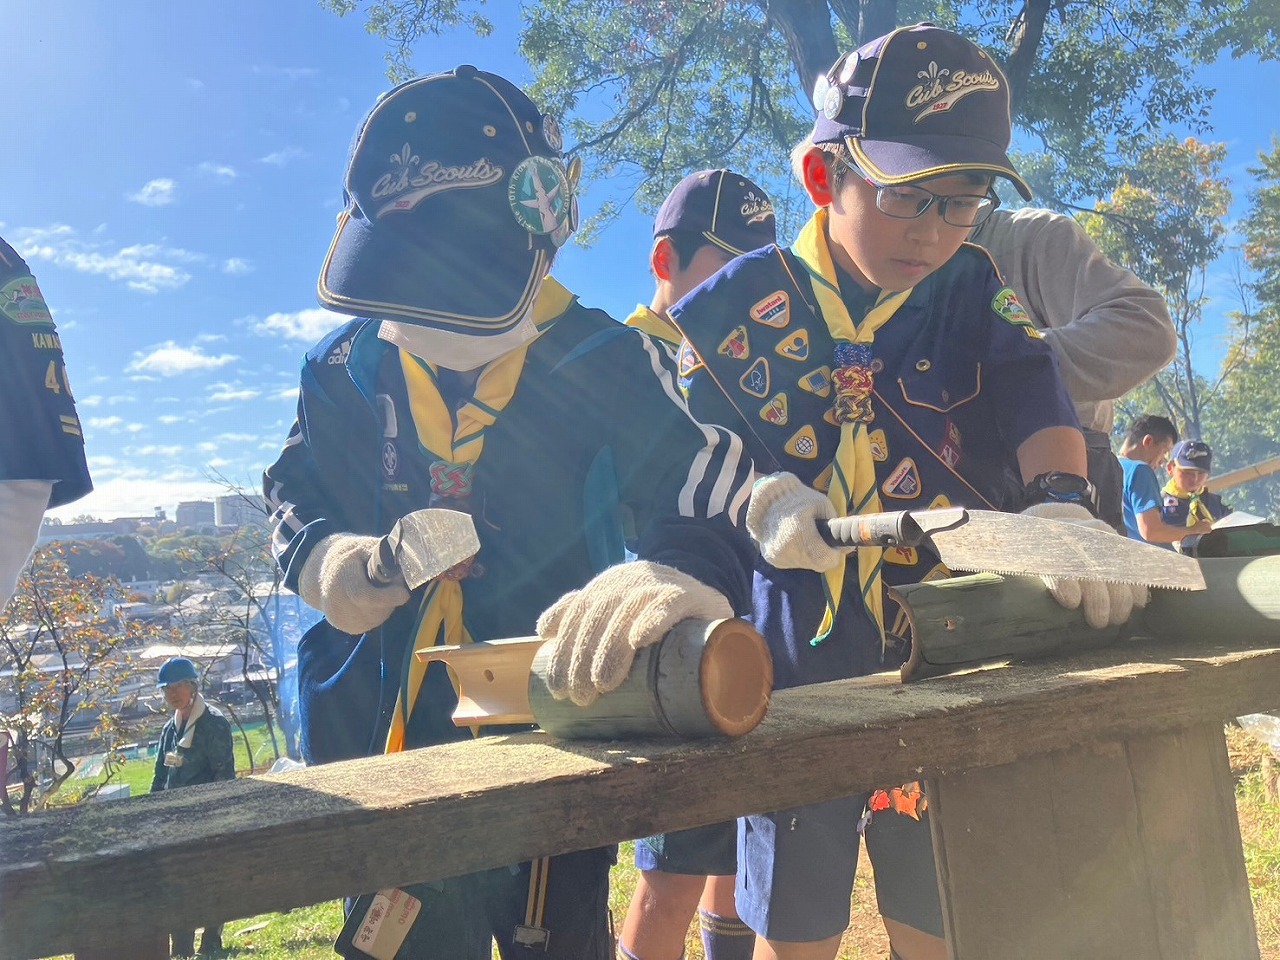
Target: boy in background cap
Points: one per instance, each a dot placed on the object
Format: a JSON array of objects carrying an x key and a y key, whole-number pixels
[
  {"x": 709, "y": 218},
  {"x": 1146, "y": 448},
  {"x": 1185, "y": 501},
  {"x": 472, "y": 380},
  {"x": 878, "y": 364}
]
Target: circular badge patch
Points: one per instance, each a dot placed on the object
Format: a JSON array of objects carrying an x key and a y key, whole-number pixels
[
  {"x": 820, "y": 92},
  {"x": 551, "y": 132},
  {"x": 832, "y": 103},
  {"x": 562, "y": 233},
  {"x": 539, "y": 195},
  {"x": 390, "y": 461}
]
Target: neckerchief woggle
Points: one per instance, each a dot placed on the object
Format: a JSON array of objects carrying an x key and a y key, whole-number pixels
[
  {"x": 1196, "y": 509},
  {"x": 853, "y": 477},
  {"x": 457, "y": 439}
]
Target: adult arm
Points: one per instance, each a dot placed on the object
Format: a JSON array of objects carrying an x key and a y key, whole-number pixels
[{"x": 1109, "y": 330}]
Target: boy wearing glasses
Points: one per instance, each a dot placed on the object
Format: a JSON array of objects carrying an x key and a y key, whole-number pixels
[{"x": 878, "y": 364}]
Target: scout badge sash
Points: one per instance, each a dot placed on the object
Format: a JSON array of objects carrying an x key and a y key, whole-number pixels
[
  {"x": 455, "y": 441},
  {"x": 852, "y": 489}
]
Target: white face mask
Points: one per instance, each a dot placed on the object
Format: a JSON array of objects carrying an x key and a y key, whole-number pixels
[{"x": 457, "y": 351}]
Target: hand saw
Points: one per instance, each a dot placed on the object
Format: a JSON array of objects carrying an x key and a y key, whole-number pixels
[{"x": 990, "y": 542}]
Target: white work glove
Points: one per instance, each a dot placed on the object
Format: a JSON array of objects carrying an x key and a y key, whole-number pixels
[
  {"x": 598, "y": 629},
  {"x": 1105, "y": 604},
  {"x": 783, "y": 518},
  {"x": 335, "y": 580}
]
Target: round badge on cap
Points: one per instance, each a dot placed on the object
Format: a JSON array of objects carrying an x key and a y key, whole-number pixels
[
  {"x": 551, "y": 132},
  {"x": 833, "y": 103},
  {"x": 561, "y": 234},
  {"x": 539, "y": 195},
  {"x": 820, "y": 92}
]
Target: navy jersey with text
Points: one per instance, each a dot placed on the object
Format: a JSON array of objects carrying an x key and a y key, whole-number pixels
[{"x": 40, "y": 437}]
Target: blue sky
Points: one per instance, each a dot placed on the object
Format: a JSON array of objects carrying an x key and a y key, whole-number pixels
[{"x": 173, "y": 177}]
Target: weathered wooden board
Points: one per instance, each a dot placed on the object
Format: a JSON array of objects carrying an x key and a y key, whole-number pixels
[
  {"x": 272, "y": 842},
  {"x": 1131, "y": 844}
]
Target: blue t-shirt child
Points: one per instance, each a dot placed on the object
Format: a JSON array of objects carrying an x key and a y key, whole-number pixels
[{"x": 1141, "y": 493}]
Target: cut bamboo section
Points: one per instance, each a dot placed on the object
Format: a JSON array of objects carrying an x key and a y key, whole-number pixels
[{"x": 706, "y": 678}]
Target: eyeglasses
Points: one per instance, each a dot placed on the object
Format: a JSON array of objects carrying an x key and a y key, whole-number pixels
[{"x": 909, "y": 202}]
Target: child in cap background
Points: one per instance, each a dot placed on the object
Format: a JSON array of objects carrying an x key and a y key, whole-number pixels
[
  {"x": 708, "y": 219},
  {"x": 1185, "y": 501},
  {"x": 878, "y": 364}
]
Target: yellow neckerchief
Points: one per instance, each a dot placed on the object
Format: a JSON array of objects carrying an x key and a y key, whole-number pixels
[
  {"x": 1196, "y": 510},
  {"x": 647, "y": 321},
  {"x": 459, "y": 440},
  {"x": 853, "y": 478}
]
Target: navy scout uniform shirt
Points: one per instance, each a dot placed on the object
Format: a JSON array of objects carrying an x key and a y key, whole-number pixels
[
  {"x": 40, "y": 435},
  {"x": 962, "y": 378}
]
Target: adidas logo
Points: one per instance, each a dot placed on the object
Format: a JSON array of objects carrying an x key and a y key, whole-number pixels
[{"x": 340, "y": 353}]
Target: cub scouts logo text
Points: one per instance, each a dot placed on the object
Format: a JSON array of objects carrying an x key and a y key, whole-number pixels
[
  {"x": 941, "y": 89},
  {"x": 756, "y": 209},
  {"x": 772, "y": 311},
  {"x": 736, "y": 345},
  {"x": 904, "y": 482},
  {"x": 410, "y": 181}
]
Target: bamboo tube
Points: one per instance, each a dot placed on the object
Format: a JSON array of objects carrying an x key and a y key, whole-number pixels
[{"x": 706, "y": 678}]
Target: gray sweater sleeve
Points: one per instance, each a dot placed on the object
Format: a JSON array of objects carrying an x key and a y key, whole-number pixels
[{"x": 1109, "y": 330}]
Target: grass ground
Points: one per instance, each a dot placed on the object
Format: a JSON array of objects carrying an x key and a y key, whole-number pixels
[{"x": 308, "y": 933}]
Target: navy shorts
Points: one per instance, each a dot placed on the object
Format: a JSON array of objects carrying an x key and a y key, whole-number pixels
[
  {"x": 710, "y": 851},
  {"x": 796, "y": 870},
  {"x": 566, "y": 919}
]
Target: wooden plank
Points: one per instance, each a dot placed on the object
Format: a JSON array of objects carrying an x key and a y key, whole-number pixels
[
  {"x": 1079, "y": 852},
  {"x": 273, "y": 842}
]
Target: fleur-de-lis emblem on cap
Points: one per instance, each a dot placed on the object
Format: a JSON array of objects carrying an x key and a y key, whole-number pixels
[
  {"x": 405, "y": 158},
  {"x": 932, "y": 75}
]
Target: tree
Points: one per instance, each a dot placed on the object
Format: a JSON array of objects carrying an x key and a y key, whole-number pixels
[
  {"x": 1166, "y": 223},
  {"x": 651, "y": 89},
  {"x": 62, "y": 666}
]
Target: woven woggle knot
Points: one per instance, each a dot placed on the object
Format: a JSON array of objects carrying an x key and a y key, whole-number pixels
[
  {"x": 854, "y": 381},
  {"x": 460, "y": 571},
  {"x": 452, "y": 480}
]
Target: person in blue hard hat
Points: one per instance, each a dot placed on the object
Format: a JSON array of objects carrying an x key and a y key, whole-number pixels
[{"x": 195, "y": 747}]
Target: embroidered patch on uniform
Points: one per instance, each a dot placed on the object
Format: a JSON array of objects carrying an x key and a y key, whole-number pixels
[
  {"x": 773, "y": 311},
  {"x": 953, "y": 432},
  {"x": 775, "y": 411},
  {"x": 689, "y": 361},
  {"x": 390, "y": 461},
  {"x": 794, "y": 347},
  {"x": 817, "y": 382},
  {"x": 830, "y": 417},
  {"x": 879, "y": 446},
  {"x": 940, "y": 572},
  {"x": 756, "y": 380},
  {"x": 903, "y": 556},
  {"x": 949, "y": 454},
  {"x": 22, "y": 302},
  {"x": 735, "y": 345},
  {"x": 822, "y": 482},
  {"x": 1006, "y": 304},
  {"x": 940, "y": 502},
  {"x": 803, "y": 444},
  {"x": 387, "y": 413},
  {"x": 904, "y": 482}
]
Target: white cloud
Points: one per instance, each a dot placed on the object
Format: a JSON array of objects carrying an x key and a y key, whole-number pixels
[
  {"x": 236, "y": 266},
  {"x": 135, "y": 428},
  {"x": 223, "y": 392},
  {"x": 156, "y": 450},
  {"x": 86, "y": 402},
  {"x": 280, "y": 158},
  {"x": 169, "y": 419},
  {"x": 139, "y": 493},
  {"x": 288, "y": 393},
  {"x": 236, "y": 437},
  {"x": 142, "y": 267},
  {"x": 222, "y": 172},
  {"x": 217, "y": 463},
  {"x": 104, "y": 423},
  {"x": 156, "y": 193},
  {"x": 307, "y": 325},
  {"x": 169, "y": 359},
  {"x": 207, "y": 447}
]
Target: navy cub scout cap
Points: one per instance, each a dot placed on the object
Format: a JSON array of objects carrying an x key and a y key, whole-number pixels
[
  {"x": 725, "y": 207},
  {"x": 918, "y": 102},
  {"x": 1194, "y": 454},
  {"x": 456, "y": 199}
]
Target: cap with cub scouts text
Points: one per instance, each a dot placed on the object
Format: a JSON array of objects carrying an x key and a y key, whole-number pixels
[
  {"x": 456, "y": 200},
  {"x": 918, "y": 102},
  {"x": 725, "y": 207},
  {"x": 1194, "y": 454}
]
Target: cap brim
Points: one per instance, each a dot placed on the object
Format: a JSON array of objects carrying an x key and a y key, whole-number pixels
[
  {"x": 375, "y": 273},
  {"x": 916, "y": 158}
]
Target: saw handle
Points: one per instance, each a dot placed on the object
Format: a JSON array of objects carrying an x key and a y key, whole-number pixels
[
  {"x": 384, "y": 568},
  {"x": 901, "y": 528}
]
